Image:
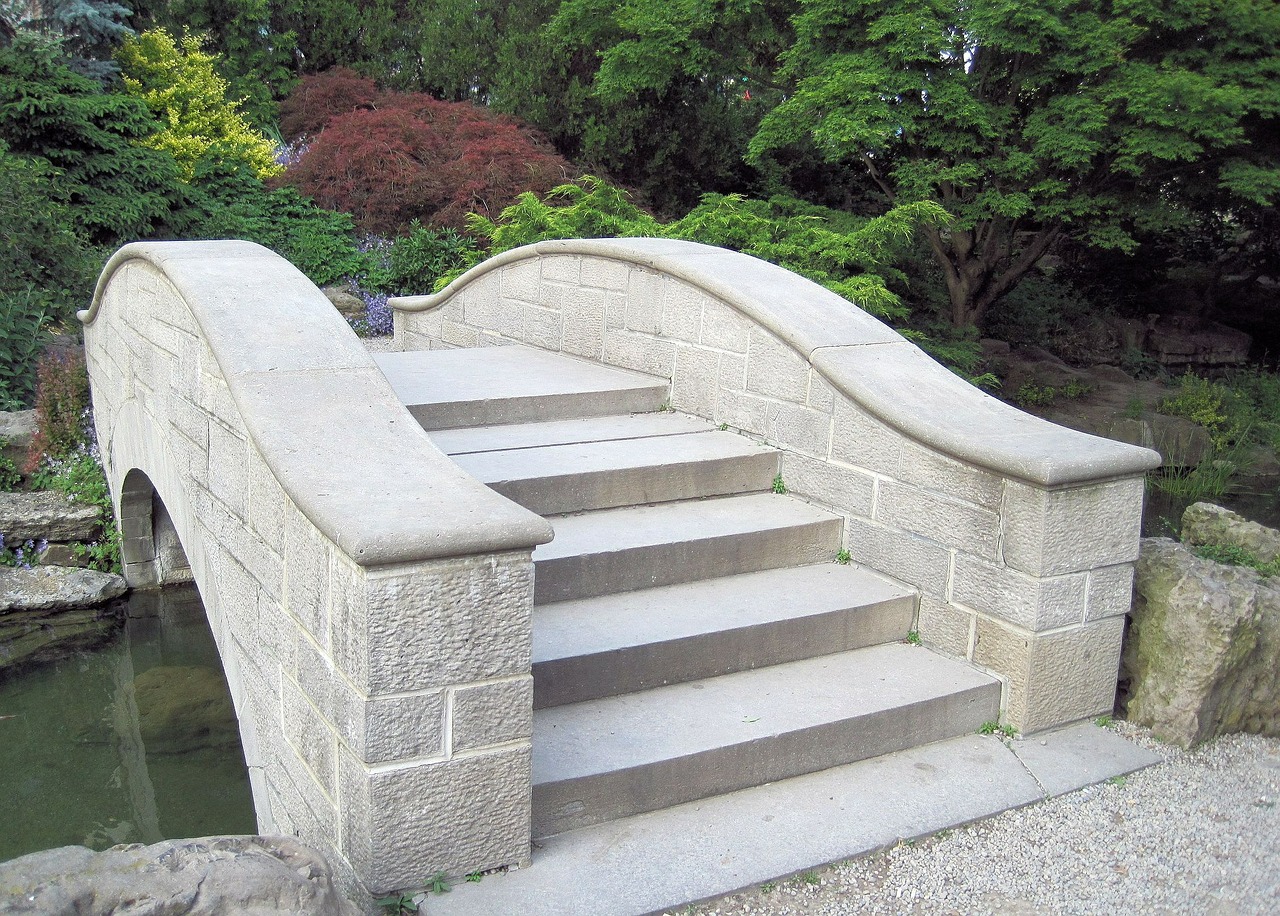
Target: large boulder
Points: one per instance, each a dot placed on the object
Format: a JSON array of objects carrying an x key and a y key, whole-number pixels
[
  {"x": 17, "y": 429},
  {"x": 55, "y": 588},
  {"x": 1205, "y": 523},
  {"x": 47, "y": 515},
  {"x": 215, "y": 876},
  {"x": 1202, "y": 657}
]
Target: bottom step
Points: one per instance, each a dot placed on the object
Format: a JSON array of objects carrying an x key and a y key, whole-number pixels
[
  {"x": 661, "y": 861},
  {"x": 602, "y": 759}
]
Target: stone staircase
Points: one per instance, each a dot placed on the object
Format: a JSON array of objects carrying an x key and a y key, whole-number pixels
[{"x": 693, "y": 631}]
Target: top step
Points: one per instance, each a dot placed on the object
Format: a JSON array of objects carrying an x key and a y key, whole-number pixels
[{"x": 496, "y": 385}]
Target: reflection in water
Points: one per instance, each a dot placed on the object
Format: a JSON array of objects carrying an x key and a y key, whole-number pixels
[
  {"x": 1257, "y": 500},
  {"x": 130, "y": 743}
]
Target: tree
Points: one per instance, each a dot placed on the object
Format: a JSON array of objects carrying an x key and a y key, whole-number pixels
[
  {"x": 91, "y": 30},
  {"x": 179, "y": 84},
  {"x": 115, "y": 188},
  {"x": 1031, "y": 122}
]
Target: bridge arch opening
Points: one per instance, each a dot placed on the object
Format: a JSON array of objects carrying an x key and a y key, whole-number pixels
[{"x": 151, "y": 550}]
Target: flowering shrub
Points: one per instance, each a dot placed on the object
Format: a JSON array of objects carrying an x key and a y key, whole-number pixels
[
  {"x": 23, "y": 554},
  {"x": 62, "y": 407}
]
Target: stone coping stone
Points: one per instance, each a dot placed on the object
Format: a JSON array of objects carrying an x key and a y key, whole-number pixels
[
  {"x": 706, "y": 849},
  {"x": 863, "y": 358},
  {"x": 380, "y": 491}
]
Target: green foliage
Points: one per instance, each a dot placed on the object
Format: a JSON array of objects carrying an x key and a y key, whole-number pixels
[
  {"x": 843, "y": 557},
  {"x": 179, "y": 83},
  {"x": 848, "y": 255},
  {"x": 1234, "y": 555},
  {"x": 1030, "y": 123},
  {"x": 10, "y": 476},
  {"x": 913, "y": 638},
  {"x": 995, "y": 728},
  {"x": 23, "y": 316},
  {"x": 1032, "y": 394},
  {"x": 413, "y": 263},
  {"x": 113, "y": 188},
  {"x": 779, "y": 485},
  {"x": 398, "y": 905}
]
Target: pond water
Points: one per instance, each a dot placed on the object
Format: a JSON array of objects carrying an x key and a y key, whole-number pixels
[
  {"x": 133, "y": 742},
  {"x": 1256, "y": 499}
]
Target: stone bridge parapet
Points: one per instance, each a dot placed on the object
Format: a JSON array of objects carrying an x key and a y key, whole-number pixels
[
  {"x": 1020, "y": 535},
  {"x": 370, "y": 601}
]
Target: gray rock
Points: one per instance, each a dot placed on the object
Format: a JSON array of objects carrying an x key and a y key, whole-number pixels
[
  {"x": 214, "y": 876},
  {"x": 1205, "y": 523},
  {"x": 17, "y": 429},
  {"x": 46, "y": 588},
  {"x": 1201, "y": 653},
  {"x": 349, "y": 304},
  {"x": 61, "y": 555},
  {"x": 33, "y": 637},
  {"x": 1180, "y": 442},
  {"x": 46, "y": 514}
]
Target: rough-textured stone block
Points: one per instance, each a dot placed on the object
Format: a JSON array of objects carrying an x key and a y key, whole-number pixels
[
  {"x": 733, "y": 372},
  {"x": 487, "y": 714},
  {"x": 681, "y": 313},
  {"x": 1047, "y": 532},
  {"x": 864, "y": 441},
  {"x": 1053, "y": 678},
  {"x": 956, "y": 524},
  {"x": 821, "y": 395},
  {"x": 387, "y": 729},
  {"x": 520, "y": 280},
  {"x": 448, "y": 622},
  {"x": 915, "y": 560},
  {"x": 724, "y": 328},
  {"x": 799, "y": 428},
  {"x": 542, "y": 327},
  {"x": 228, "y": 474},
  {"x": 940, "y": 473},
  {"x": 605, "y": 274},
  {"x": 1022, "y": 600},
  {"x": 584, "y": 324},
  {"x": 945, "y": 627},
  {"x": 1110, "y": 591},
  {"x": 458, "y": 816},
  {"x": 266, "y": 501},
  {"x": 188, "y": 420},
  {"x": 695, "y": 381},
  {"x": 643, "y": 354},
  {"x": 306, "y": 562},
  {"x": 776, "y": 370},
  {"x": 843, "y": 489},
  {"x": 312, "y": 737},
  {"x": 643, "y": 313},
  {"x": 456, "y": 334},
  {"x": 562, "y": 270},
  {"x": 743, "y": 411}
]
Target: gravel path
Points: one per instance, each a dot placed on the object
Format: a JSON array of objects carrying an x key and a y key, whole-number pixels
[{"x": 1199, "y": 833}]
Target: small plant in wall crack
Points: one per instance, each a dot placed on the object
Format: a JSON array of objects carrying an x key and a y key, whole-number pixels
[
  {"x": 913, "y": 638},
  {"x": 438, "y": 883},
  {"x": 844, "y": 558},
  {"x": 995, "y": 728},
  {"x": 778, "y": 485},
  {"x": 398, "y": 905}
]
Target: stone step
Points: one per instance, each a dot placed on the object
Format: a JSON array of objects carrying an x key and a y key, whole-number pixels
[
  {"x": 620, "y": 756},
  {"x": 660, "y": 861},
  {"x": 492, "y": 385},
  {"x": 468, "y": 440},
  {"x": 616, "y": 550},
  {"x": 613, "y": 644},
  {"x": 576, "y": 477}
]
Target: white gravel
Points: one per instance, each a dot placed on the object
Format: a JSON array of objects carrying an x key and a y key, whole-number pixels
[{"x": 1199, "y": 833}]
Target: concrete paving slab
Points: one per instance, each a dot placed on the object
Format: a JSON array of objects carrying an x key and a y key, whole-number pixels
[
  {"x": 611, "y": 644},
  {"x": 490, "y": 385},
  {"x": 468, "y": 440},
  {"x": 1079, "y": 755},
  {"x": 693, "y": 852}
]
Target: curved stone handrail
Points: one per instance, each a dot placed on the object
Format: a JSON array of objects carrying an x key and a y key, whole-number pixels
[
  {"x": 323, "y": 415},
  {"x": 864, "y": 359},
  {"x": 371, "y": 602}
]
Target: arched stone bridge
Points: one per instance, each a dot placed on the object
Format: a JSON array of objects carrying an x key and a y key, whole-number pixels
[{"x": 373, "y": 601}]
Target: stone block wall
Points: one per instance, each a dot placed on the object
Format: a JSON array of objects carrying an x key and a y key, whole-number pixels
[
  {"x": 378, "y": 652},
  {"x": 1019, "y": 535}
]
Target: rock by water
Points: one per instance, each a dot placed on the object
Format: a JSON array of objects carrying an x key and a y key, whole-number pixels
[
  {"x": 47, "y": 514},
  {"x": 1205, "y": 523},
  {"x": 48, "y": 611},
  {"x": 214, "y": 876},
  {"x": 1202, "y": 656}
]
